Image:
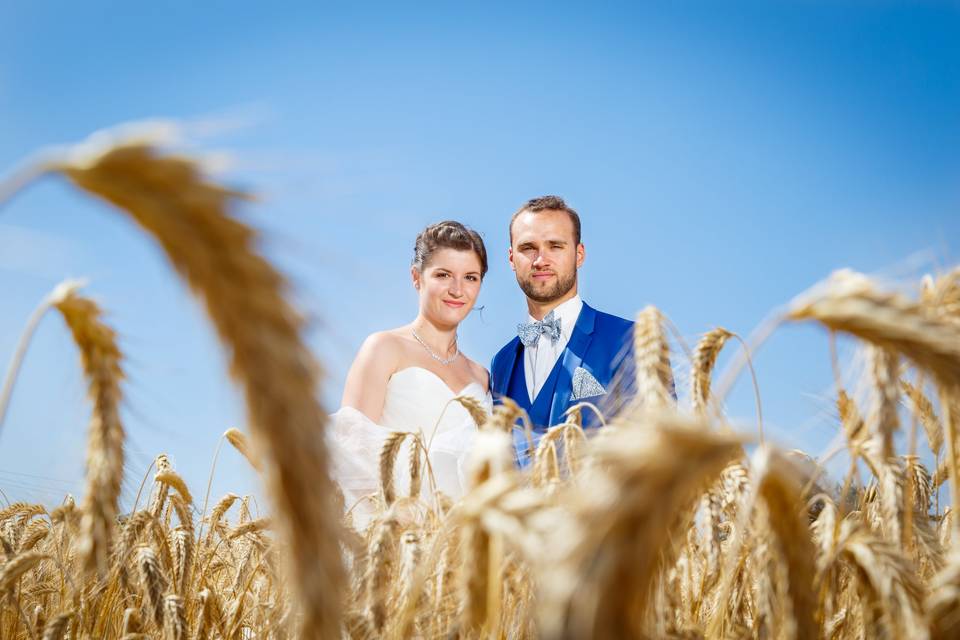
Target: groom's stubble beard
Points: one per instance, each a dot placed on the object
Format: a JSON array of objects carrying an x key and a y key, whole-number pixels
[{"x": 558, "y": 290}]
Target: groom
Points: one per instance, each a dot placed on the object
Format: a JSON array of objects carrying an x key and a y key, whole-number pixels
[{"x": 566, "y": 352}]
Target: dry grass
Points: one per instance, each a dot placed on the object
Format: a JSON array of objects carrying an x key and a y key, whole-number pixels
[{"x": 658, "y": 526}]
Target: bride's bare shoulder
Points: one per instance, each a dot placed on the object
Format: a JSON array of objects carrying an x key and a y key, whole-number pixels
[
  {"x": 378, "y": 358},
  {"x": 387, "y": 345},
  {"x": 479, "y": 373}
]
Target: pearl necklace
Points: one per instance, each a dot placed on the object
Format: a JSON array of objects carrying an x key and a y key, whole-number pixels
[{"x": 443, "y": 361}]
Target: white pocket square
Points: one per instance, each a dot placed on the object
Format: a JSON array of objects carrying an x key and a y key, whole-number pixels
[{"x": 585, "y": 385}]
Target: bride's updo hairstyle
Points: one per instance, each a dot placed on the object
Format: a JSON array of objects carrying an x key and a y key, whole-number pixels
[{"x": 448, "y": 234}]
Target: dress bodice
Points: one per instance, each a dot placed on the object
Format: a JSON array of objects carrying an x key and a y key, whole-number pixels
[{"x": 417, "y": 399}]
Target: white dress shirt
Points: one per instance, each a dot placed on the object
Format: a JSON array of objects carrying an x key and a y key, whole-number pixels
[{"x": 540, "y": 358}]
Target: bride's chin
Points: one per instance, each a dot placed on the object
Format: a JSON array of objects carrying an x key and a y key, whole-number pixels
[{"x": 450, "y": 317}]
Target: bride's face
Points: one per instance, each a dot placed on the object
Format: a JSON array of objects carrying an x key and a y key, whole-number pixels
[{"x": 448, "y": 286}]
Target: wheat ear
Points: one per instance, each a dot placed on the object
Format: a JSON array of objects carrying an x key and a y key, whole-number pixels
[
  {"x": 239, "y": 441},
  {"x": 893, "y": 593},
  {"x": 153, "y": 583},
  {"x": 57, "y": 627},
  {"x": 924, "y": 411},
  {"x": 16, "y": 567},
  {"x": 849, "y": 302},
  {"x": 245, "y": 298},
  {"x": 781, "y": 487},
  {"x": 388, "y": 460},
  {"x": 643, "y": 479},
  {"x": 101, "y": 360},
  {"x": 174, "y": 623},
  {"x": 884, "y": 420},
  {"x": 943, "y": 601},
  {"x": 651, "y": 352},
  {"x": 704, "y": 360},
  {"x": 380, "y": 569}
]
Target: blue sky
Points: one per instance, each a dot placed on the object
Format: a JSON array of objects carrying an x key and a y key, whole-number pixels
[{"x": 723, "y": 156}]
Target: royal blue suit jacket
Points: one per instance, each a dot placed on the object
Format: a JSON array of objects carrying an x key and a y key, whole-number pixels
[{"x": 600, "y": 343}]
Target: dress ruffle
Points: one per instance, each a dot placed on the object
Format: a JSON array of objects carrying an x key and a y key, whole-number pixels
[{"x": 355, "y": 443}]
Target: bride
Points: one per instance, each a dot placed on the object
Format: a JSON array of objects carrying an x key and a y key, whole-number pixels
[{"x": 405, "y": 379}]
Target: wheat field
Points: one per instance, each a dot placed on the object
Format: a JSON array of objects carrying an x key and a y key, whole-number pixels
[{"x": 665, "y": 523}]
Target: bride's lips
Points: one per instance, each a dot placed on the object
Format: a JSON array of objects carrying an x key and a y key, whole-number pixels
[{"x": 454, "y": 304}]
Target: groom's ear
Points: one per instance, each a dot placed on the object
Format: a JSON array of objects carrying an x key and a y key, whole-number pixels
[
  {"x": 581, "y": 255},
  {"x": 513, "y": 267}
]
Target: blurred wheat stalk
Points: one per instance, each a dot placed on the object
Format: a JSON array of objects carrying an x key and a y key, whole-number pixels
[{"x": 661, "y": 525}]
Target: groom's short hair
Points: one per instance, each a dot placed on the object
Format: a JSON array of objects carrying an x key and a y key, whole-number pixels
[{"x": 549, "y": 203}]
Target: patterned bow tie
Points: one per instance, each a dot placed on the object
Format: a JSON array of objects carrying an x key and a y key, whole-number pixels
[{"x": 529, "y": 332}]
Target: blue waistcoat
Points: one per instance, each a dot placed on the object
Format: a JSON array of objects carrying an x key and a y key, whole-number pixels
[{"x": 539, "y": 410}]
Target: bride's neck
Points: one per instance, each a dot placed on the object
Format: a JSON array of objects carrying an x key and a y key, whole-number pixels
[{"x": 441, "y": 339}]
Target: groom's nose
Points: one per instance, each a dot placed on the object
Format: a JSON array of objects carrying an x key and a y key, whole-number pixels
[{"x": 540, "y": 260}]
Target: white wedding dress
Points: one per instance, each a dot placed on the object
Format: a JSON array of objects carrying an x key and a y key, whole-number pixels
[{"x": 419, "y": 401}]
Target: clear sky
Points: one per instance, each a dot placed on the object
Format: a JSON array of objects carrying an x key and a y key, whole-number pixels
[{"x": 723, "y": 157}]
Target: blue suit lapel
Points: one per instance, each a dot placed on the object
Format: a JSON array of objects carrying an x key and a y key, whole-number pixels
[
  {"x": 504, "y": 368},
  {"x": 572, "y": 358}
]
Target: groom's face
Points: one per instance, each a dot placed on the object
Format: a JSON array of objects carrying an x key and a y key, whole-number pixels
[{"x": 545, "y": 255}]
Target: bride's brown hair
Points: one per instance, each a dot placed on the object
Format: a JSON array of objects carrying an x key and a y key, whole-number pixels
[{"x": 448, "y": 234}]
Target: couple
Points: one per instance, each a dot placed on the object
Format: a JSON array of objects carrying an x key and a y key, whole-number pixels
[{"x": 403, "y": 379}]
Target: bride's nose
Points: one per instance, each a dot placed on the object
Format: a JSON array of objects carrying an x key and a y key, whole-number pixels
[{"x": 454, "y": 289}]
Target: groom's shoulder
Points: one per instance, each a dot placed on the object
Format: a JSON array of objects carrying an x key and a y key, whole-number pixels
[{"x": 609, "y": 323}]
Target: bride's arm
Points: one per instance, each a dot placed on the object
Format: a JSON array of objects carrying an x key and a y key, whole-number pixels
[
  {"x": 366, "y": 385},
  {"x": 480, "y": 374}
]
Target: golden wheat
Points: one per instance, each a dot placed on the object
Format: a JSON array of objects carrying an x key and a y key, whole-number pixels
[{"x": 653, "y": 527}]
